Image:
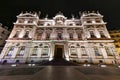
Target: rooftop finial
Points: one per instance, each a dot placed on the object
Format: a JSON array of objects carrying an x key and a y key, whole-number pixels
[
  {"x": 98, "y": 12},
  {"x": 88, "y": 11},
  {"x": 80, "y": 13},
  {"x": 0, "y": 24},
  {"x": 72, "y": 16},
  {"x": 46, "y": 17},
  {"x": 60, "y": 13},
  {"x": 93, "y": 11},
  {"x": 26, "y": 12},
  {"x": 39, "y": 13},
  {"x": 22, "y": 12}
]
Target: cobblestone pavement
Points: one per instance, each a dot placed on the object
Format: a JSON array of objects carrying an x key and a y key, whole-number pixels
[{"x": 25, "y": 72}]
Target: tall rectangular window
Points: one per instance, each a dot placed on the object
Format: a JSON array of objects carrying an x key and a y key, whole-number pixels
[
  {"x": 79, "y": 35},
  {"x": 96, "y": 51},
  {"x": 108, "y": 51},
  {"x": 17, "y": 34},
  {"x": 22, "y": 50},
  {"x": 92, "y": 34},
  {"x": 59, "y": 36},
  {"x": 71, "y": 36},
  {"x": 35, "y": 51},
  {"x": 83, "y": 51},
  {"x": 26, "y": 34},
  {"x": 10, "y": 52},
  {"x": 102, "y": 34}
]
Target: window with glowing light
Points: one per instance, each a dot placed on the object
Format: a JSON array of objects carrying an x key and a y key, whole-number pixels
[
  {"x": 10, "y": 52},
  {"x": 22, "y": 50}
]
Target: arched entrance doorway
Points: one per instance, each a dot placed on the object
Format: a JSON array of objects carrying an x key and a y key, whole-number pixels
[{"x": 59, "y": 50}]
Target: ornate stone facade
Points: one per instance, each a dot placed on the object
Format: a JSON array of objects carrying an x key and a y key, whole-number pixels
[
  {"x": 4, "y": 34},
  {"x": 82, "y": 40},
  {"x": 115, "y": 35}
]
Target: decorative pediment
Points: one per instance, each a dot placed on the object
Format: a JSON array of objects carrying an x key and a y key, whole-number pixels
[
  {"x": 92, "y": 15},
  {"x": 27, "y": 15}
]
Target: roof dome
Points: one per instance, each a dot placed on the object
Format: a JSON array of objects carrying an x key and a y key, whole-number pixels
[{"x": 59, "y": 15}]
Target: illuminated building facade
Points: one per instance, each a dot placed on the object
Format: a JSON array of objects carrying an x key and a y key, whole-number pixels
[
  {"x": 82, "y": 40},
  {"x": 115, "y": 35},
  {"x": 4, "y": 34}
]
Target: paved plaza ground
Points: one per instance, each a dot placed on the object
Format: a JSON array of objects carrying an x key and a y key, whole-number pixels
[{"x": 80, "y": 72}]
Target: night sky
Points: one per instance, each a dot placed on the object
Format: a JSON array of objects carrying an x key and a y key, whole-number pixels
[{"x": 9, "y": 9}]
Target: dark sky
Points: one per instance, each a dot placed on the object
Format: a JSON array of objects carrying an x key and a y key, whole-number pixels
[{"x": 109, "y": 8}]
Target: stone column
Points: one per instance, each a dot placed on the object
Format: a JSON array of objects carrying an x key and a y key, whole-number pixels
[
  {"x": 65, "y": 34},
  {"x": 75, "y": 36},
  {"x": 106, "y": 32},
  {"x": 66, "y": 52},
  {"x": 51, "y": 52},
  {"x": 32, "y": 32},
  {"x": 103, "y": 51},
  {"x": 12, "y": 34},
  {"x": 22, "y": 33},
  {"x": 88, "y": 34},
  {"x": 97, "y": 34},
  {"x": 79, "y": 52},
  {"x": 39, "y": 51},
  {"x": 44, "y": 35},
  {"x": 14, "y": 52},
  {"x": 53, "y": 35}
]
